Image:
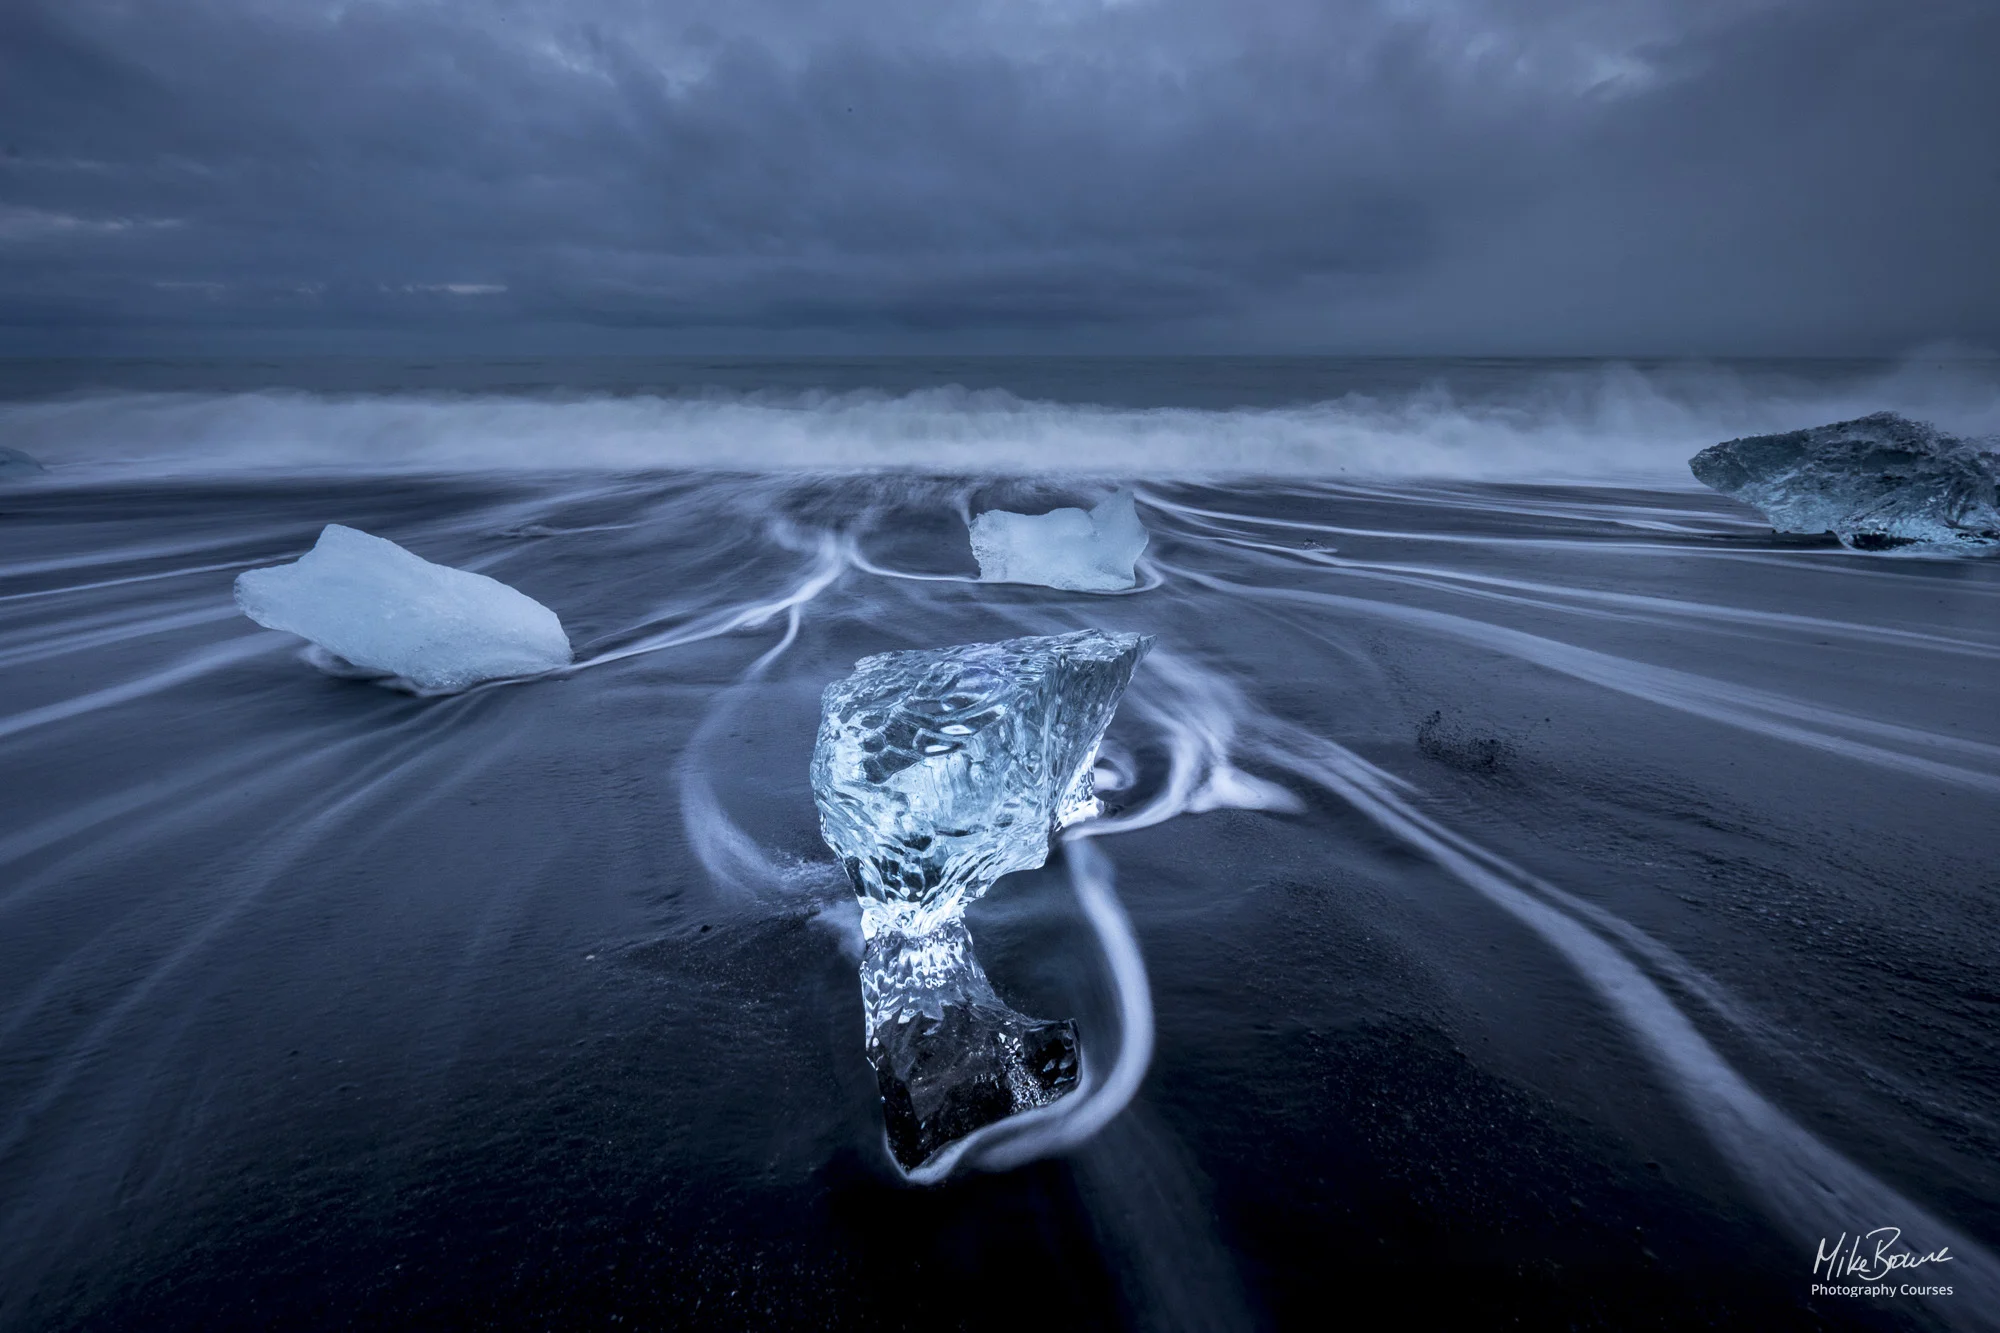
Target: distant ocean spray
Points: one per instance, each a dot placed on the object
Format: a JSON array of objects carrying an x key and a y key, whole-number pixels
[{"x": 1521, "y": 421}]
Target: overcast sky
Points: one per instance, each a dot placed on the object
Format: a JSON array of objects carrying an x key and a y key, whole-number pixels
[{"x": 1566, "y": 176}]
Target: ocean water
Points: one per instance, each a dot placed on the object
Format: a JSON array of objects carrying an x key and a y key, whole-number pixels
[{"x": 1533, "y": 894}]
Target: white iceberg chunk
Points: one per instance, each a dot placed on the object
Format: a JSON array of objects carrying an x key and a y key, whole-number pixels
[
  {"x": 1073, "y": 549},
  {"x": 373, "y": 605}
]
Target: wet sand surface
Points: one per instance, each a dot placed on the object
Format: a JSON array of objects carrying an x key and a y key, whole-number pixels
[{"x": 1559, "y": 907}]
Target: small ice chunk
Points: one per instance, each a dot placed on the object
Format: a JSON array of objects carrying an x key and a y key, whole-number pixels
[
  {"x": 1073, "y": 549},
  {"x": 375, "y": 606},
  {"x": 17, "y": 466},
  {"x": 1877, "y": 482},
  {"x": 936, "y": 773}
]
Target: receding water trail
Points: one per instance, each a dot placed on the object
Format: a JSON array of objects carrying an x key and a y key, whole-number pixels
[
  {"x": 1800, "y": 1179},
  {"x": 94, "y": 633},
  {"x": 145, "y": 552},
  {"x": 1580, "y": 541},
  {"x": 732, "y": 858},
  {"x": 1770, "y": 714},
  {"x": 1557, "y": 597},
  {"x": 388, "y": 766},
  {"x": 194, "y": 665},
  {"x": 830, "y": 558},
  {"x": 77, "y": 589}
]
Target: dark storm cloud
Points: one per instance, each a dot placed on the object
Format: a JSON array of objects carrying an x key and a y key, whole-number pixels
[{"x": 1407, "y": 175}]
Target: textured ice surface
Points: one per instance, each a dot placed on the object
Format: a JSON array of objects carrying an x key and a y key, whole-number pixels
[
  {"x": 935, "y": 773},
  {"x": 1876, "y": 482},
  {"x": 938, "y": 771},
  {"x": 950, "y": 1056},
  {"x": 372, "y": 605},
  {"x": 1075, "y": 549},
  {"x": 17, "y": 466}
]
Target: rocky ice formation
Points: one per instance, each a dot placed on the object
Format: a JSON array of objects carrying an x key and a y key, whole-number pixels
[
  {"x": 1077, "y": 550},
  {"x": 369, "y": 604},
  {"x": 936, "y": 773},
  {"x": 1877, "y": 482}
]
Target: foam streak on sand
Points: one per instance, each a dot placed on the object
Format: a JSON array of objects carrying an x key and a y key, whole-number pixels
[{"x": 195, "y": 665}]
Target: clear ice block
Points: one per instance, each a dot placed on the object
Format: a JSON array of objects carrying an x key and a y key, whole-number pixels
[{"x": 935, "y": 773}]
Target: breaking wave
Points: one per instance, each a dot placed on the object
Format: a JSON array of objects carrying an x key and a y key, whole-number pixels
[{"x": 1605, "y": 423}]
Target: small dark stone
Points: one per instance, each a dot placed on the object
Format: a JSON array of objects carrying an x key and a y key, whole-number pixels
[{"x": 1449, "y": 744}]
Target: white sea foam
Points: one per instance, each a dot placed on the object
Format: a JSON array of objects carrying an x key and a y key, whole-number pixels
[{"x": 1612, "y": 423}]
